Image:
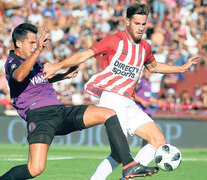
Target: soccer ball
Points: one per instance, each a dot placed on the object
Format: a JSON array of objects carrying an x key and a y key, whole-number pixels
[{"x": 168, "y": 157}]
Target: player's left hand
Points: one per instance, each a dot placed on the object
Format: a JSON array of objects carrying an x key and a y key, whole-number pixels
[{"x": 190, "y": 62}]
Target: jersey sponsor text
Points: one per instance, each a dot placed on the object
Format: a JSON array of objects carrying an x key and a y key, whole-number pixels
[{"x": 124, "y": 70}]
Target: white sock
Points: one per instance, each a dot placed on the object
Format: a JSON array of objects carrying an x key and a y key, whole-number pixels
[
  {"x": 105, "y": 168},
  {"x": 145, "y": 155}
]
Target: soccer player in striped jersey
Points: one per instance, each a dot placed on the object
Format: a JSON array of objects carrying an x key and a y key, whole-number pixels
[{"x": 125, "y": 56}]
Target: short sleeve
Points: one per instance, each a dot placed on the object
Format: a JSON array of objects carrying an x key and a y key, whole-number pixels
[
  {"x": 105, "y": 45},
  {"x": 12, "y": 66},
  {"x": 149, "y": 56}
]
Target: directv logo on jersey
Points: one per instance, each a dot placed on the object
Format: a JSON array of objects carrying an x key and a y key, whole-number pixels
[{"x": 124, "y": 70}]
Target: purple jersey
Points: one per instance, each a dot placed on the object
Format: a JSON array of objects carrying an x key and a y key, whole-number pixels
[
  {"x": 33, "y": 92},
  {"x": 144, "y": 92}
]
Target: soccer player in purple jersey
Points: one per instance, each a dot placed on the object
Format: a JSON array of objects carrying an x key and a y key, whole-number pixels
[{"x": 36, "y": 102}]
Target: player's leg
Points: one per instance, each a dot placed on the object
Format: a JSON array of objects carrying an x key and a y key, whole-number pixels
[
  {"x": 98, "y": 115},
  {"x": 41, "y": 125},
  {"x": 36, "y": 163},
  {"x": 37, "y": 158},
  {"x": 106, "y": 167},
  {"x": 151, "y": 133},
  {"x": 143, "y": 126},
  {"x": 136, "y": 119},
  {"x": 155, "y": 138},
  {"x": 119, "y": 104},
  {"x": 40, "y": 129},
  {"x": 82, "y": 117}
]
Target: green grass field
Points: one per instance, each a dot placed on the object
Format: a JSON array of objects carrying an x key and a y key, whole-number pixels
[{"x": 79, "y": 163}]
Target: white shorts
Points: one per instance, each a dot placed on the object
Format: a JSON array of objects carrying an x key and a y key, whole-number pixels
[{"x": 130, "y": 115}]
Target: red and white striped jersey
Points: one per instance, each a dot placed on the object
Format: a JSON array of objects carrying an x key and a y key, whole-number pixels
[{"x": 123, "y": 63}]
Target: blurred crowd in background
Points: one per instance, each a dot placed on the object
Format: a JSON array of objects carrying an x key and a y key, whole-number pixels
[{"x": 176, "y": 30}]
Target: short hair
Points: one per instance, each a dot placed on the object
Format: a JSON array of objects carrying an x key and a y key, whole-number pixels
[
  {"x": 141, "y": 9},
  {"x": 20, "y": 32}
]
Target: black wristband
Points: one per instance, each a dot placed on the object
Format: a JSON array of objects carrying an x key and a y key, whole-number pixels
[{"x": 61, "y": 76}]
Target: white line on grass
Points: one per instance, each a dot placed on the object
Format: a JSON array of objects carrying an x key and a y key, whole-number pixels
[
  {"x": 53, "y": 158},
  {"x": 12, "y": 158}
]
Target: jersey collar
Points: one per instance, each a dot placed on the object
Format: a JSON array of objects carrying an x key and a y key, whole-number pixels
[{"x": 12, "y": 54}]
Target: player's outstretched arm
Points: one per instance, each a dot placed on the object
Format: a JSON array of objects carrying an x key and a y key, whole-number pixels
[
  {"x": 156, "y": 67},
  {"x": 76, "y": 59}
]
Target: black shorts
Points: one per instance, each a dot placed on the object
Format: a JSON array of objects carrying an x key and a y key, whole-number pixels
[{"x": 46, "y": 122}]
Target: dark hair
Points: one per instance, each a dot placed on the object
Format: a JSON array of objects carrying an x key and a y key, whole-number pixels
[
  {"x": 141, "y": 9},
  {"x": 20, "y": 32}
]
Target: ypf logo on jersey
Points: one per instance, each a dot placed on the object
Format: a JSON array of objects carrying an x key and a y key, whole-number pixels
[{"x": 31, "y": 126}]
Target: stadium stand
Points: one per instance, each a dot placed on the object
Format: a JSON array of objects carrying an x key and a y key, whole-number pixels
[{"x": 77, "y": 24}]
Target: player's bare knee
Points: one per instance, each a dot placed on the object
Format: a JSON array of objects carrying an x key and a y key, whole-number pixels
[
  {"x": 36, "y": 170},
  {"x": 108, "y": 113}
]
